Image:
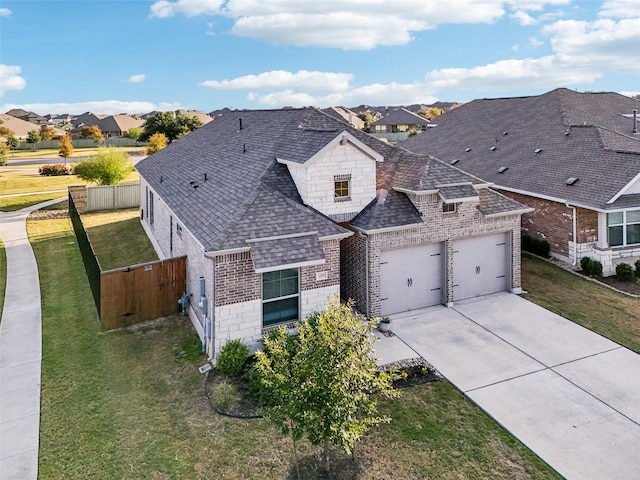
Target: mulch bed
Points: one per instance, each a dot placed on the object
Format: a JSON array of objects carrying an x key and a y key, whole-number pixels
[{"x": 245, "y": 405}]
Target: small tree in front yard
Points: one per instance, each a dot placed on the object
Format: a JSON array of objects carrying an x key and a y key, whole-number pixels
[
  {"x": 157, "y": 142},
  {"x": 94, "y": 133},
  {"x": 324, "y": 382},
  {"x": 66, "y": 148},
  {"x": 4, "y": 153},
  {"x": 108, "y": 167},
  {"x": 33, "y": 137}
]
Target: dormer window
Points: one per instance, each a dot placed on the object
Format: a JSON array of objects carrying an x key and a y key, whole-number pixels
[
  {"x": 449, "y": 207},
  {"x": 341, "y": 188}
]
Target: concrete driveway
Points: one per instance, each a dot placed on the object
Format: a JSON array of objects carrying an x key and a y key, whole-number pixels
[{"x": 570, "y": 395}]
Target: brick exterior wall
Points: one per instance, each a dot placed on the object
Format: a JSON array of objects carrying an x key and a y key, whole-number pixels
[
  {"x": 353, "y": 262},
  {"x": 79, "y": 195},
  {"x": 553, "y": 221},
  {"x": 466, "y": 222}
]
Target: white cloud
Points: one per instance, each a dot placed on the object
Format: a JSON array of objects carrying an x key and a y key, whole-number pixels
[
  {"x": 620, "y": 9},
  {"x": 279, "y": 79},
  {"x": 189, "y": 8},
  {"x": 137, "y": 78},
  {"x": 10, "y": 78},
  {"x": 5, "y": 12},
  {"x": 523, "y": 18},
  {"x": 345, "y": 24},
  {"x": 603, "y": 45},
  {"x": 107, "y": 107},
  {"x": 535, "y": 43},
  {"x": 542, "y": 72}
]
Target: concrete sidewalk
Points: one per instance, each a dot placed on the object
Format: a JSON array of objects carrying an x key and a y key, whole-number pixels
[
  {"x": 567, "y": 393},
  {"x": 20, "y": 351}
]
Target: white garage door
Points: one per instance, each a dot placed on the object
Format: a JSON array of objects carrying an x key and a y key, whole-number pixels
[
  {"x": 480, "y": 266},
  {"x": 411, "y": 278}
]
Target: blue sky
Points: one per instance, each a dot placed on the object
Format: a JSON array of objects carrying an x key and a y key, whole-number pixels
[{"x": 66, "y": 56}]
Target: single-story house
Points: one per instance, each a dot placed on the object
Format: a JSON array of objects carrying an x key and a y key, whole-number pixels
[
  {"x": 396, "y": 125},
  {"x": 573, "y": 157},
  {"x": 278, "y": 211},
  {"x": 118, "y": 125}
]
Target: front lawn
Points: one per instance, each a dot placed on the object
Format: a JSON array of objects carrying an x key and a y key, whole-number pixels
[
  {"x": 598, "y": 308},
  {"x": 130, "y": 404}
]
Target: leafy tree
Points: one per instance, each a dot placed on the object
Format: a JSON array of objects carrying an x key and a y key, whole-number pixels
[
  {"x": 171, "y": 125},
  {"x": 12, "y": 142},
  {"x": 66, "y": 148},
  {"x": 133, "y": 133},
  {"x": 367, "y": 118},
  {"x": 33, "y": 137},
  {"x": 4, "y": 153},
  {"x": 157, "y": 142},
  {"x": 431, "y": 113},
  {"x": 5, "y": 132},
  {"x": 46, "y": 133},
  {"x": 324, "y": 381},
  {"x": 108, "y": 167},
  {"x": 94, "y": 133}
]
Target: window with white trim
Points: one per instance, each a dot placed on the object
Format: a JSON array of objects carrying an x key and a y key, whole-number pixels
[
  {"x": 280, "y": 296},
  {"x": 449, "y": 207},
  {"x": 623, "y": 228},
  {"x": 342, "y": 188}
]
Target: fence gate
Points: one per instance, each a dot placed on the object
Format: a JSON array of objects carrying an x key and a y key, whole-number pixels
[{"x": 144, "y": 292}]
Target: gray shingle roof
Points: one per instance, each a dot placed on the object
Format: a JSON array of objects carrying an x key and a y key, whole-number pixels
[
  {"x": 581, "y": 135},
  {"x": 223, "y": 182},
  {"x": 278, "y": 253},
  {"x": 401, "y": 116}
]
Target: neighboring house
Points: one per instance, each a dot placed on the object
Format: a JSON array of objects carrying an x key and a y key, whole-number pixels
[
  {"x": 21, "y": 128},
  {"x": 279, "y": 210},
  {"x": 202, "y": 116},
  {"x": 346, "y": 115},
  {"x": 396, "y": 125},
  {"x": 27, "y": 116},
  {"x": 574, "y": 157},
  {"x": 118, "y": 125},
  {"x": 86, "y": 119}
]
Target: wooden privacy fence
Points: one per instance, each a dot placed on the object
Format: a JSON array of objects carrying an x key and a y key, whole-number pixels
[
  {"x": 143, "y": 292},
  {"x": 128, "y": 295},
  {"x": 112, "y": 197}
]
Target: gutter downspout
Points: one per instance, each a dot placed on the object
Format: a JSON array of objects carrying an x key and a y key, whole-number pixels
[{"x": 575, "y": 233}]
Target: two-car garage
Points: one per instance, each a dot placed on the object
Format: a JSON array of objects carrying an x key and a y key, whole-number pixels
[{"x": 416, "y": 276}]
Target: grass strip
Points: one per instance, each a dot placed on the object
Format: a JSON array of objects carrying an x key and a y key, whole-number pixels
[
  {"x": 12, "y": 204},
  {"x": 118, "y": 239},
  {"x": 596, "y": 307}
]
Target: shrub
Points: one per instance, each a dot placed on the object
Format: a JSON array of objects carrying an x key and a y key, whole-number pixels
[
  {"x": 53, "y": 170},
  {"x": 537, "y": 246},
  {"x": 591, "y": 267},
  {"x": 637, "y": 264},
  {"x": 624, "y": 272},
  {"x": 233, "y": 357},
  {"x": 225, "y": 396}
]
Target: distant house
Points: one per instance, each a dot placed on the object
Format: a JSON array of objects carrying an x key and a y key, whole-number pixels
[
  {"x": 279, "y": 210},
  {"x": 30, "y": 117},
  {"x": 573, "y": 157},
  {"x": 21, "y": 128},
  {"x": 346, "y": 115},
  {"x": 396, "y": 125},
  {"x": 118, "y": 125}
]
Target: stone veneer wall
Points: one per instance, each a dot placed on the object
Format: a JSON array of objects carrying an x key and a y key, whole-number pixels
[
  {"x": 466, "y": 222},
  {"x": 238, "y": 300}
]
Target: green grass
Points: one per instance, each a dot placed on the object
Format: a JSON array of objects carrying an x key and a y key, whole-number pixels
[
  {"x": 128, "y": 404},
  {"x": 586, "y": 303},
  {"x": 26, "y": 182},
  {"x": 118, "y": 238},
  {"x": 11, "y": 204},
  {"x": 77, "y": 152}
]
